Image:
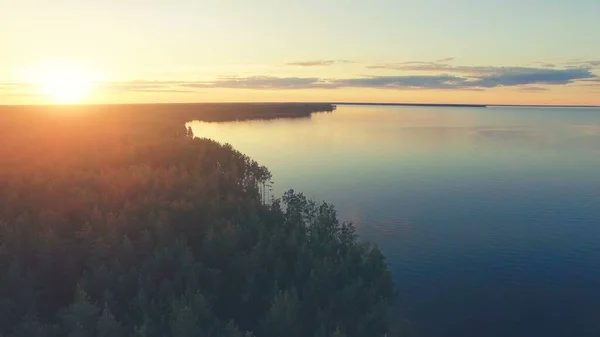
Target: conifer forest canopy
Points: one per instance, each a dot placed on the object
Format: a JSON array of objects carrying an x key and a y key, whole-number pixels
[{"x": 117, "y": 221}]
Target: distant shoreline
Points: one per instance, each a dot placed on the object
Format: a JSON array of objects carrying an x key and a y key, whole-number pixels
[
  {"x": 451, "y": 105},
  {"x": 419, "y": 104},
  {"x": 471, "y": 105}
]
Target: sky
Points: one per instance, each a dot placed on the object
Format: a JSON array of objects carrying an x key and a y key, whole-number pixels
[{"x": 419, "y": 51}]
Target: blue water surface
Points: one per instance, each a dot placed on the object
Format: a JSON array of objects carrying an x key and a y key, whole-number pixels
[{"x": 489, "y": 217}]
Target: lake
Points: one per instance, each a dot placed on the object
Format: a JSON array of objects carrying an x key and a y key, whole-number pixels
[{"x": 489, "y": 217}]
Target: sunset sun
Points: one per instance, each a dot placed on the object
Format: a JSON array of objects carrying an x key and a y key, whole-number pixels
[{"x": 65, "y": 83}]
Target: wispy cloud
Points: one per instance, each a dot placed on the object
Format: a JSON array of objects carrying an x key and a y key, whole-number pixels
[
  {"x": 532, "y": 89},
  {"x": 145, "y": 86},
  {"x": 317, "y": 63},
  {"x": 444, "y": 60},
  {"x": 414, "y": 75},
  {"x": 472, "y": 70},
  {"x": 545, "y": 64},
  {"x": 591, "y": 82},
  {"x": 261, "y": 82},
  {"x": 250, "y": 82},
  {"x": 15, "y": 86},
  {"x": 488, "y": 77},
  {"x": 406, "y": 82},
  {"x": 165, "y": 90},
  {"x": 444, "y": 66},
  {"x": 584, "y": 64},
  {"x": 494, "y": 76},
  {"x": 527, "y": 79},
  {"x": 524, "y": 76}
]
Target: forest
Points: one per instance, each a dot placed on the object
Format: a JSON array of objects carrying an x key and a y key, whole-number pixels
[{"x": 118, "y": 221}]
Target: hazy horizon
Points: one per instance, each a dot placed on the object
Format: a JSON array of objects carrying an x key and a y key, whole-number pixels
[
  {"x": 463, "y": 52},
  {"x": 416, "y": 104}
]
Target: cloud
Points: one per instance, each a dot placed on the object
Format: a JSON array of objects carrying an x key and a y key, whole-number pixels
[
  {"x": 478, "y": 77},
  {"x": 406, "y": 82},
  {"x": 164, "y": 90},
  {"x": 524, "y": 76},
  {"x": 583, "y": 64},
  {"x": 317, "y": 63},
  {"x": 442, "y": 66},
  {"x": 447, "y": 59},
  {"x": 446, "y": 68},
  {"x": 526, "y": 79},
  {"x": 545, "y": 64},
  {"x": 261, "y": 82},
  {"x": 415, "y": 65},
  {"x": 145, "y": 86},
  {"x": 436, "y": 75},
  {"x": 15, "y": 86},
  {"x": 590, "y": 82},
  {"x": 532, "y": 89},
  {"x": 494, "y": 76},
  {"x": 251, "y": 82}
]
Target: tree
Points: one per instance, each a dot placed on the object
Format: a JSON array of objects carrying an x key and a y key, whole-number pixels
[
  {"x": 81, "y": 316},
  {"x": 107, "y": 325},
  {"x": 282, "y": 317},
  {"x": 184, "y": 323}
]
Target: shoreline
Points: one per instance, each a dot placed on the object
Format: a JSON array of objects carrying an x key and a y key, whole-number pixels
[
  {"x": 207, "y": 112},
  {"x": 288, "y": 104}
]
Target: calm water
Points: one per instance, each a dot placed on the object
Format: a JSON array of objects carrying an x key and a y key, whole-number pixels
[{"x": 489, "y": 218}]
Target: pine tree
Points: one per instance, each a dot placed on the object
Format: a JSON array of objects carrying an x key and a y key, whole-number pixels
[
  {"x": 231, "y": 330},
  {"x": 144, "y": 329},
  {"x": 183, "y": 323},
  {"x": 281, "y": 319},
  {"x": 107, "y": 325},
  {"x": 338, "y": 333},
  {"x": 80, "y": 317}
]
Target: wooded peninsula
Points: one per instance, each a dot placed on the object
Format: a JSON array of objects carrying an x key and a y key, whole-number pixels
[{"x": 115, "y": 220}]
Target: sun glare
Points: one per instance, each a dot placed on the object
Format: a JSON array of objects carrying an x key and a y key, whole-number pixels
[{"x": 64, "y": 83}]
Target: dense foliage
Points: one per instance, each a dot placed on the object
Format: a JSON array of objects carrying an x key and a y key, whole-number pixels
[{"x": 124, "y": 224}]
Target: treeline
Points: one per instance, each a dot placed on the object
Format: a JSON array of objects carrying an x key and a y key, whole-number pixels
[
  {"x": 118, "y": 226},
  {"x": 208, "y": 112}
]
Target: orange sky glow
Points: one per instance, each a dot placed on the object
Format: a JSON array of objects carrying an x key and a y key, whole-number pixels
[{"x": 431, "y": 51}]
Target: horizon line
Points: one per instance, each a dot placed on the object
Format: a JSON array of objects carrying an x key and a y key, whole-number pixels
[{"x": 470, "y": 105}]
